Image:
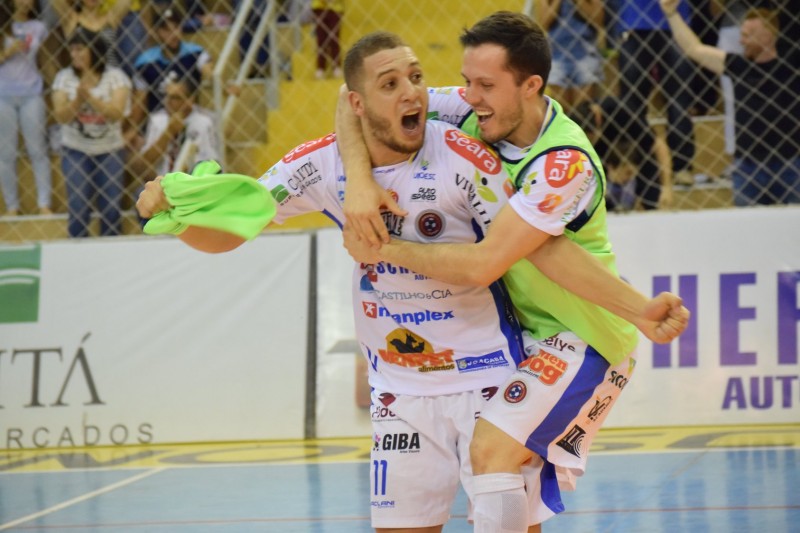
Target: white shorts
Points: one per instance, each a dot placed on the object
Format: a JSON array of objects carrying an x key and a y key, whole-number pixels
[
  {"x": 420, "y": 453},
  {"x": 554, "y": 404}
]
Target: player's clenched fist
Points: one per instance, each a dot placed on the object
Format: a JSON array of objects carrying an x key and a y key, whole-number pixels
[{"x": 152, "y": 199}]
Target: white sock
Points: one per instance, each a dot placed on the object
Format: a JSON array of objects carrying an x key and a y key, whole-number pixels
[{"x": 501, "y": 505}]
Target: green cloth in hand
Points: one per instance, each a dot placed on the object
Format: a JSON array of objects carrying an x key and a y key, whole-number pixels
[{"x": 228, "y": 202}]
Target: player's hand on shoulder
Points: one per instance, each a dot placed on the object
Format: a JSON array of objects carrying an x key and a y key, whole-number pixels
[
  {"x": 359, "y": 249},
  {"x": 362, "y": 210},
  {"x": 152, "y": 199}
]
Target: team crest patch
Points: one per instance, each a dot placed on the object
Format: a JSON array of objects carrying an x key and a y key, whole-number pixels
[
  {"x": 430, "y": 224},
  {"x": 515, "y": 392}
]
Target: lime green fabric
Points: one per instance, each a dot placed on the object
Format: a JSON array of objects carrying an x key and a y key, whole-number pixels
[{"x": 228, "y": 202}]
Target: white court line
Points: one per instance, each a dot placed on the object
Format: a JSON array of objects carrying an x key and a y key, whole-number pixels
[{"x": 82, "y": 498}]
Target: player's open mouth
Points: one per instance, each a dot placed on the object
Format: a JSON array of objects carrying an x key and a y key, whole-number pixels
[
  {"x": 483, "y": 116},
  {"x": 412, "y": 122}
]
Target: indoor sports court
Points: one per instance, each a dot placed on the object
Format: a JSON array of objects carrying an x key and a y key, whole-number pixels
[{"x": 715, "y": 479}]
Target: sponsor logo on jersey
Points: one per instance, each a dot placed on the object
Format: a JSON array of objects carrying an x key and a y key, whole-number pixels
[
  {"x": 423, "y": 174},
  {"x": 405, "y": 348},
  {"x": 618, "y": 380},
  {"x": 304, "y": 176},
  {"x": 472, "y": 197},
  {"x": 550, "y": 202},
  {"x": 401, "y": 442},
  {"x": 308, "y": 147},
  {"x": 424, "y": 194},
  {"x": 386, "y": 398},
  {"x": 488, "y": 393},
  {"x": 380, "y": 412},
  {"x": 430, "y": 224},
  {"x": 560, "y": 345},
  {"x": 561, "y": 166},
  {"x": 544, "y": 366},
  {"x": 572, "y": 442},
  {"x": 490, "y": 360},
  {"x": 388, "y": 268},
  {"x": 474, "y": 151},
  {"x": 600, "y": 405},
  {"x": 279, "y": 193},
  {"x": 515, "y": 392},
  {"x": 372, "y": 310},
  {"x": 393, "y": 223},
  {"x": 436, "y": 294},
  {"x": 383, "y": 504}
]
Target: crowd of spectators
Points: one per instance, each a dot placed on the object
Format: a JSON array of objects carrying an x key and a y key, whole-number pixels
[
  {"x": 121, "y": 68},
  {"x": 121, "y": 80}
]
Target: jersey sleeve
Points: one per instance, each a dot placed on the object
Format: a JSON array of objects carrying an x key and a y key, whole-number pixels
[
  {"x": 305, "y": 180},
  {"x": 557, "y": 187},
  {"x": 448, "y": 104}
]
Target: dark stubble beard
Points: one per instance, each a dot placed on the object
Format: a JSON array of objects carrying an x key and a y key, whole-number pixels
[{"x": 381, "y": 130}]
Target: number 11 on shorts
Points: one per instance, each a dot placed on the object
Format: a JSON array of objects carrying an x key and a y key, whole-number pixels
[{"x": 379, "y": 477}]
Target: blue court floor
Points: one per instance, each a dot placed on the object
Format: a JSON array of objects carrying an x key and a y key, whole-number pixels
[{"x": 721, "y": 479}]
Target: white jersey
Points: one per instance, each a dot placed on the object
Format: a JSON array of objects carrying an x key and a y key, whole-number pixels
[{"x": 421, "y": 336}]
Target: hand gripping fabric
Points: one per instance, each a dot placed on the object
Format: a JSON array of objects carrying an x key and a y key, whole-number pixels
[{"x": 228, "y": 202}]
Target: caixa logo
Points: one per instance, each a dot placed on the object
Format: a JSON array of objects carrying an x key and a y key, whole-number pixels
[
  {"x": 308, "y": 147},
  {"x": 473, "y": 151},
  {"x": 401, "y": 442}
]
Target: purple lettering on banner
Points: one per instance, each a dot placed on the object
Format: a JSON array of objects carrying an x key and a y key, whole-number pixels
[
  {"x": 661, "y": 352},
  {"x": 730, "y": 314},
  {"x": 788, "y": 317},
  {"x": 734, "y": 395},
  {"x": 761, "y": 401},
  {"x": 687, "y": 342}
]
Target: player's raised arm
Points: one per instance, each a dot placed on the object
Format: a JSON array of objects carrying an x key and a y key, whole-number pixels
[
  {"x": 661, "y": 319},
  {"x": 363, "y": 197},
  {"x": 153, "y": 201}
]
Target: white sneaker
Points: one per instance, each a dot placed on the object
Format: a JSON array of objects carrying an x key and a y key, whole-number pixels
[
  {"x": 337, "y": 72},
  {"x": 319, "y": 74}
]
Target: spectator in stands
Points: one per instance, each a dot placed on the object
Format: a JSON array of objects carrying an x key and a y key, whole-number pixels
[
  {"x": 630, "y": 151},
  {"x": 96, "y": 16},
  {"x": 196, "y": 15},
  {"x": 646, "y": 46},
  {"x": 132, "y": 35},
  {"x": 172, "y": 58},
  {"x": 21, "y": 102},
  {"x": 327, "y": 28},
  {"x": 767, "y": 108},
  {"x": 573, "y": 27},
  {"x": 89, "y": 101},
  {"x": 180, "y": 126}
]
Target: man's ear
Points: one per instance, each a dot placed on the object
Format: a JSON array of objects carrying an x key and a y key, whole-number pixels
[
  {"x": 356, "y": 102},
  {"x": 533, "y": 85}
]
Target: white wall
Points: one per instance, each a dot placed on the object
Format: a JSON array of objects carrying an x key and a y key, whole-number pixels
[{"x": 148, "y": 341}]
